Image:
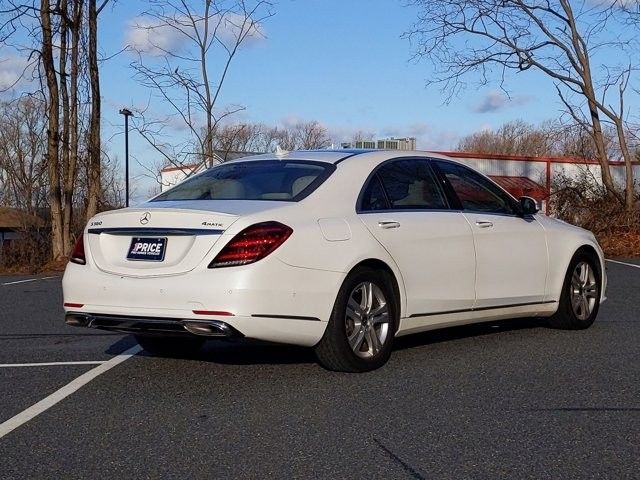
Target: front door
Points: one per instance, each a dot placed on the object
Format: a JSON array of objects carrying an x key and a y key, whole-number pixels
[{"x": 511, "y": 250}]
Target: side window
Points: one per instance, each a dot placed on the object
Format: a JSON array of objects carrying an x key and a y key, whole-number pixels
[
  {"x": 373, "y": 197},
  {"x": 476, "y": 193},
  {"x": 409, "y": 184}
]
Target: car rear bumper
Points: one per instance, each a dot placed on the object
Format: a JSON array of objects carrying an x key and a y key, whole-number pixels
[
  {"x": 305, "y": 332},
  {"x": 163, "y": 326},
  {"x": 268, "y": 301}
]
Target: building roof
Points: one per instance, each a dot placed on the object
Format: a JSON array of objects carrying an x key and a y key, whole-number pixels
[
  {"x": 234, "y": 155},
  {"x": 525, "y": 158},
  {"x": 220, "y": 156},
  {"x": 188, "y": 168},
  {"x": 14, "y": 219},
  {"x": 329, "y": 156},
  {"x": 521, "y": 186},
  {"x": 335, "y": 156}
]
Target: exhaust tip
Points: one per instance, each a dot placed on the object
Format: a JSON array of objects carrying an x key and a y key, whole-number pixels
[
  {"x": 207, "y": 328},
  {"x": 75, "y": 320}
]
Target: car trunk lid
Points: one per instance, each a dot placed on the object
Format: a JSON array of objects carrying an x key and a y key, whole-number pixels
[{"x": 145, "y": 242}]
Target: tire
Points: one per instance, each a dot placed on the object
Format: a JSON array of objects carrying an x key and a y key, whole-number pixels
[
  {"x": 170, "y": 346},
  {"x": 580, "y": 297},
  {"x": 370, "y": 328}
]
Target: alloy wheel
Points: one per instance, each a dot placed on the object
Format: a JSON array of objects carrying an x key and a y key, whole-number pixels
[
  {"x": 584, "y": 290},
  {"x": 367, "y": 320}
]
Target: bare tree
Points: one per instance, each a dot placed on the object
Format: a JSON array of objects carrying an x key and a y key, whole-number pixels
[
  {"x": 74, "y": 21},
  {"x": 491, "y": 37},
  {"x": 268, "y": 140},
  {"x": 94, "y": 185},
  {"x": 23, "y": 182},
  {"x": 550, "y": 138},
  {"x": 287, "y": 139},
  {"x": 512, "y": 138},
  {"x": 63, "y": 54},
  {"x": 311, "y": 135},
  {"x": 362, "y": 136},
  {"x": 189, "y": 75},
  {"x": 241, "y": 137},
  {"x": 572, "y": 140},
  {"x": 70, "y": 31},
  {"x": 111, "y": 184},
  {"x": 53, "y": 131},
  {"x": 302, "y": 135}
]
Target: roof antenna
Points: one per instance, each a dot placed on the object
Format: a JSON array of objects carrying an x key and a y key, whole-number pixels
[{"x": 280, "y": 152}]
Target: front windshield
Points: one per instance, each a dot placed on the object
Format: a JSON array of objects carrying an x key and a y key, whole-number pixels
[{"x": 252, "y": 180}]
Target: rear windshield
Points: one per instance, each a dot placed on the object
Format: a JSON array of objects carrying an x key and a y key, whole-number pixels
[{"x": 253, "y": 180}]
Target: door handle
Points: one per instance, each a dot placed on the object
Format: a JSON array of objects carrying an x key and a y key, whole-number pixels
[
  {"x": 390, "y": 224},
  {"x": 484, "y": 224}
]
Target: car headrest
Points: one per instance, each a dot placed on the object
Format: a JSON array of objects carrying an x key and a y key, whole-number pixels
[
  {"x": 415, "y": 194},
  {"x": 300, "y": 184},
  {"x": 227, "y": 189},
  {"x": 276, "y": 196}
]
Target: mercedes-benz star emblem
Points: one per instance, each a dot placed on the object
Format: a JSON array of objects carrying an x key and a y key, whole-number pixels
[{"x": 144, "y": 219}]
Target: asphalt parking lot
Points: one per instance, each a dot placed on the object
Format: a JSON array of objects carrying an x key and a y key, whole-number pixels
[{"x": 507, "y": 400}]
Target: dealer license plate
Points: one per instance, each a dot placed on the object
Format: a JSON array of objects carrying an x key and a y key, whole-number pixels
[{"x": 147, "y": 249}]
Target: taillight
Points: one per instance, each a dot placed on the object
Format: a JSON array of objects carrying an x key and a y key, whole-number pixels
[
  {"x": 252, "y": 244},
  {"x": 77, "y": 256},
  {"x": 73, "y": 305}
]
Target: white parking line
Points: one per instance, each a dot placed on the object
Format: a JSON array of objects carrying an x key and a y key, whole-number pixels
[
  {"x": 59, "y": 395},
  {"x": 28, "y": 280},
  {"x": 623, "y": 263},
  {"x": 50, "y": 364}
]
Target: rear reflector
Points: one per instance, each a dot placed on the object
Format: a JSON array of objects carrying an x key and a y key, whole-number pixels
[
  {"x": 213, "y": 312},
  {"x": 252, "y": 244},
  {"x": 73, "y": 305},
  {"x": 78, "y": 256}
]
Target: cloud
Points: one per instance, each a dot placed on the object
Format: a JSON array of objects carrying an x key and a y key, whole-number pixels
[
  {"x": 291, "y": 120},
  {"x": 231, "y": 27},
  {"x": 152, "y": 37},
  {"x": 13, "y": 70},
  {"x": 419, "y": 129},
  {"x": 495, "y": 100}
]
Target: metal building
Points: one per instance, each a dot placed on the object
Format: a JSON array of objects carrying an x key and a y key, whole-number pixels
[{"x": 535, "y": 175}]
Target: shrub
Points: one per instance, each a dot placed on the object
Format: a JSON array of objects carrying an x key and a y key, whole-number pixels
[
  {"x": 27, "y": 255},
  {"x": 582, "y": 201}
]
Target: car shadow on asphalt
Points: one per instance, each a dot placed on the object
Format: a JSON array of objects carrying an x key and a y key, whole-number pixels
[
  {"x": 253, "y": 352},
  {"x": 122, "y": 345},
  {"x": 29, "y": 336},
  {"x": 467, "y": 331}
]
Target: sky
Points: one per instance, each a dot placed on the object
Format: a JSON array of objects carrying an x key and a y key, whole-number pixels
[{"x": 343, "y": 63}]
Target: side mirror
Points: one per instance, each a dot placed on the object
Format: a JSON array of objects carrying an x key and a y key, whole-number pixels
[{"x": 528, "y": 205}]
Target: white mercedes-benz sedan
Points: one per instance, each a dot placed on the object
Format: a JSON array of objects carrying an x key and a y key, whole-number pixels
[{"x": 341, "y": 251}]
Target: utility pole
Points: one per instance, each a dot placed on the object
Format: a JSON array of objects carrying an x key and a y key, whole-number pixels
[{"x": 127, "y": 113}]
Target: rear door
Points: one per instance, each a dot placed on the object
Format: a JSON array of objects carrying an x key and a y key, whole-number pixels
[
  {"x": 406, "y": 210},
  {"x": 511, "y": 251}
]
